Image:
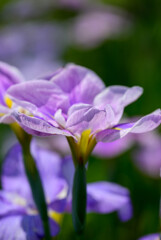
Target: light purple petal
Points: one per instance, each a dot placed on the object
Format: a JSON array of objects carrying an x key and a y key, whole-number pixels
[
  {"x": 85, "y": 92},
  {"x": 106, "y": 197},
  {"x": 118, "y": 97},
  {"x": 72, "y": 75},
  {"x": 38, "y": 94},
  {"x": 37, "y": 126},
  {"x": 83, "y": 116},
  {"x": 80, "y": 114},
  {"x": 10, "y": 203},
  {"x": 147, "y": 123},
  {"x": 150, "y": 237},
  {"x": 144, "y": 124},
  {"x": 11, "y": 229}
]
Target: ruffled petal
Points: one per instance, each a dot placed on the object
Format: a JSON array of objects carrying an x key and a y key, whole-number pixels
[
  {"x": 84, "y": 116},
  {"x": 38, "y": 94},
  {"x": 11, "y": 229},
  {"x": 37, "y": 126},
  {"x": 118, "y": 97},
  {"x": 144, "y": 124},
  {"x": 73, "y": 76}
]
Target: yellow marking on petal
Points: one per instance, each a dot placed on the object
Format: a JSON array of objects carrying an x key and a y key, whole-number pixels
[
  {"x": 116, "y": 128},
  {"x": 2, "y": 114},
  {"x": 8, "y": 102},
  {"x": 57, "y": 217}
]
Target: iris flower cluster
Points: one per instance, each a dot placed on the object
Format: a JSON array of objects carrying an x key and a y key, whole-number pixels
[
  {"x": 72, "y": 102},
  {"x": 17, "y": 204}
]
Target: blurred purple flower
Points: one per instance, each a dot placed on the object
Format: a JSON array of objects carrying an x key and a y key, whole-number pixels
[
  {"x": 148, "y": 155},
  {"x": 113, "y": 149},
  {"x": 151, "y": 237},
  {"x": 34, "y": 48},
  {"x": 73, "y": 100},
  {"x": 16, "y": 201},
  {"x": 92, "y": 27},
  {"x": 19, "y": 217}
]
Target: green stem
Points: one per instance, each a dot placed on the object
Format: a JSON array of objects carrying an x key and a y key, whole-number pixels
[
  {"x": 79, "y": 198},
  {"x": 33, "y": 178}
]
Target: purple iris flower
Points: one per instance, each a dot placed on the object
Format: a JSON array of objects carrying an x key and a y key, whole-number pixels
[
  {"x": 96, "y": 25},
  {"x": 74, "y": 102},
  {"x": 151, "y": 237},
  {"x": 148, "y": 155},
  {"x": 19, "y": 217}
]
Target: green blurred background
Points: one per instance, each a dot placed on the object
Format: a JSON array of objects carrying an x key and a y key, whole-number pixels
[{"x": 131, "y": 57}]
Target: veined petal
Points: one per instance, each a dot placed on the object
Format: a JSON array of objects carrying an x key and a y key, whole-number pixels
[
  {"x": 118, "y": 95},
  {"x": 85, "y": 113},
  {"x": 39, "y": 96},
  {"x": 37, "y": 92},
  {"x": 73, "y": 75},
  {"x": 11, "y": 229},
  {"x": 37, "y": 126},
  {"x": 87, "y": 89},
  {"x": 88, "y": 117},
  {"x": 144, "y": 124}
]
